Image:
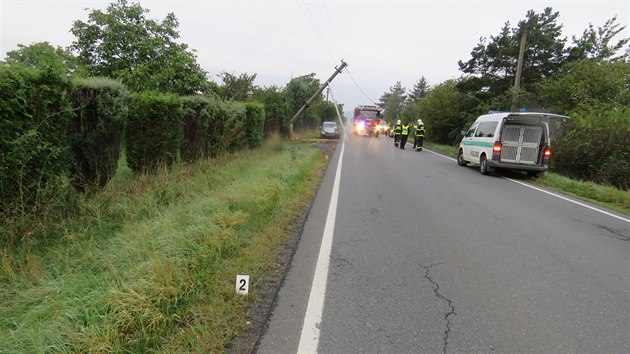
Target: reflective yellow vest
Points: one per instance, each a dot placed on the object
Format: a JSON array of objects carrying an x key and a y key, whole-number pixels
[
  {"x": 405, "y": 130},
  {"x": 397, "y": 129}
]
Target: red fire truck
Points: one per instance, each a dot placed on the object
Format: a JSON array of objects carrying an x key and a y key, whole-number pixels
[{"x": 366, "y": 120}]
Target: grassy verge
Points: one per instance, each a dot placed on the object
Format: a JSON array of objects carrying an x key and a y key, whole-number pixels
[
  {"x": 610, "y": 197},
  {"x": 150, "y": 263}
]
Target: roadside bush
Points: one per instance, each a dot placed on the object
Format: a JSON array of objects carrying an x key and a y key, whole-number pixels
[
  {"x": 231, "y": 118},
  {"x": 154, "y": 130},
  {"x": 596, "y": 146},
  {"x": 34, "y": 113},
  {"x": 197, "y": 113},
  {"x": 96, "y": 130},
  {"x": 254, "y": 124}
]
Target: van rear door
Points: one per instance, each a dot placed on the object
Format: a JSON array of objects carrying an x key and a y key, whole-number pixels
[{"x": 550, "y": 120}]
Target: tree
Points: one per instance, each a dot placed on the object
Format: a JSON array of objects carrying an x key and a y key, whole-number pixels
[
  {"x": 297, "y": 93},
  {"x": 589, "y": 84},
  {"x": 444, "y": 112},
  {"x": 493, "y": 62},
  {"x": 239, "y": 88},
  {"x": 420, "y": 89},
  {"x": 393, "y": 101},
  {"x": 122, "y": 43},
  {"x": 597, "y": 43},
  {"x": 42, "y": 55},
  {"x": 276, "y": 109}
]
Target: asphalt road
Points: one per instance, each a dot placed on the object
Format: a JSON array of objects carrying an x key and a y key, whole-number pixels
[{"x": 431, "y": 257}]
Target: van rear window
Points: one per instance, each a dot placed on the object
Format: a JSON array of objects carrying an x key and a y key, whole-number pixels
[{"x": 486, "y": 130}]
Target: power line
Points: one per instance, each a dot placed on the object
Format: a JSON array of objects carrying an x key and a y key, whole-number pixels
[
  {"x": 357, "y": 85},
  {"x": 318, "y": 33}
]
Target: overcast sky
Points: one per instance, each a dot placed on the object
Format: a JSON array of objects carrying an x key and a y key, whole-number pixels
[{"x": 382, "y": 41}]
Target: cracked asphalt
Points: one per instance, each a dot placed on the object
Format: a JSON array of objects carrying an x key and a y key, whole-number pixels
[{"x": 431, "y": 257}]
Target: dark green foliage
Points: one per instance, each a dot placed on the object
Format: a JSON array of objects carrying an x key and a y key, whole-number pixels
[
  {"x": 226, "y": 132},
  {"x": 394, "y": 102},
  {"x": 596, "y": 146},
  {"x": 445, "y": 112},
  {"x": 44, "y": 56},
  {"x": 154, "y": 130},
  {"x": 122, "y": 43},
  {"x": 238, "y": 88},
  {"x": 198, "y": 111},
  {"x": 585, "y": 84},
  {"x": 493, "y": 61},
  {"x": 297, "y": 93},
  {"x": 96, "y": 130},
  {"x": 234, "y": 136},
  {"x": 276, "y": 109},
  {"x": 34, "y": 113},
  {"x": 597, "y": 44},
  {"x": 254, "y": 124}
]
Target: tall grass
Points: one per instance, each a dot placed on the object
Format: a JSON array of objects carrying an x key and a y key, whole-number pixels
[{"x": 150, "y": 263}]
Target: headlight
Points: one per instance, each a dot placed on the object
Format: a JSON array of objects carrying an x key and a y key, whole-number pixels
[{"x": 360, "y": 125}]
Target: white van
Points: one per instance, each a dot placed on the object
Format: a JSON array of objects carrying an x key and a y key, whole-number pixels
[{"x": 510, "y": 141}]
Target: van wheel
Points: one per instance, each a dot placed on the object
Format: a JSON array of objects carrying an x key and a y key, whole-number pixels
[
  {"x": 460, "y": 158},
  {"x": 534, "y": 174},
  {"x": 483, "y": 165}
]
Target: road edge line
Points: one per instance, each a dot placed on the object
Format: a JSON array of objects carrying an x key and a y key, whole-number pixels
[
  {"x": 550, "y": 193},
  {"x": 309, "y": 338}
]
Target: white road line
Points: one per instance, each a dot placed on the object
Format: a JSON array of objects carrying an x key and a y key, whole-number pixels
[
  {"x": 550, "y": 193},
  {"x": 309, "y": 338}
]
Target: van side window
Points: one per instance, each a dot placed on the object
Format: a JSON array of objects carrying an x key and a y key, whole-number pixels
[
  {"x": 486, "y": 130},
  {"x": 471, "y": 131}
]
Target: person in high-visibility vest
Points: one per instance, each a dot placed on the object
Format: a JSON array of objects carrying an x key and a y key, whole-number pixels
[
  {"x": 397, "y": 132},
  {"x": 404, "y": 134},
  {"x": 419, "y": 132}
]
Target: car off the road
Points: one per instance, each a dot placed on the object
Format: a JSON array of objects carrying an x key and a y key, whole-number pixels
[{"x": 329, "y": 130}]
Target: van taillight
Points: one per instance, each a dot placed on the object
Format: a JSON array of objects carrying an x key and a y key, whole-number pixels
[
  {"x": 547, "y": 152},
  {"x": 496, "y": 147}
]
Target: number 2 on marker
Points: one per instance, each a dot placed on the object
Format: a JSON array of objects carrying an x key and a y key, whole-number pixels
[{"x": 242, "y": 284}]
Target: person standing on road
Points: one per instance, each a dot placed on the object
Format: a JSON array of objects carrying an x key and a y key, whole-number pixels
[
  {"x": 404, "y": 134},
  {"x": 397, "y": 132},
  {"x": 419, "y": 136}
]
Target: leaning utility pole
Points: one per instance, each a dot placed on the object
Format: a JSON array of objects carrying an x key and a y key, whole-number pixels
[
  {"x": 343, "y": 127},
  {"x": 519, "y": 69},
  {"x": 312, "y": 99}
]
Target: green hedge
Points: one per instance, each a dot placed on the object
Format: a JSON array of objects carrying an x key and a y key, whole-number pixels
[
  {"x": 34, "y": 113},
  {"x": 154, "y": 130},
  {"x": 197, "y": 113},
  {"x": 96, "y": 130},
  {"x": 254, "y": 124},
  {"x": 227, "y": 128},
  {"x": 596, "y": 147}
]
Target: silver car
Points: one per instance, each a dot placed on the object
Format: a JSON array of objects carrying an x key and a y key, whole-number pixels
[{"x": 329, "y": 130}]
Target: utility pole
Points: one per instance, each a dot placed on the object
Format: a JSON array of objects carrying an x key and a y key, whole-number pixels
[
  {"x": 343, "y": 127},
  {"x": 312, "y": 99},
  {"x": 519, "y": 69}
]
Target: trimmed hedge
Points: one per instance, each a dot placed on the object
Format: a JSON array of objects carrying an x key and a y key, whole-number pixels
[
  {"x": 596, "y": 147},
  {"x": 197, "y": 114},
  {"x": 34, "y": 113},
  {"x": 254, "y": 124},
  {"x": 154, "y": 130},
  {"x": 227, "y": 128},
  {"x": 96, "y": 130}
]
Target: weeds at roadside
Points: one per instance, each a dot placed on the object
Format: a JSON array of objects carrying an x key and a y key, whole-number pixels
[{"x": 149, "y": 263}]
